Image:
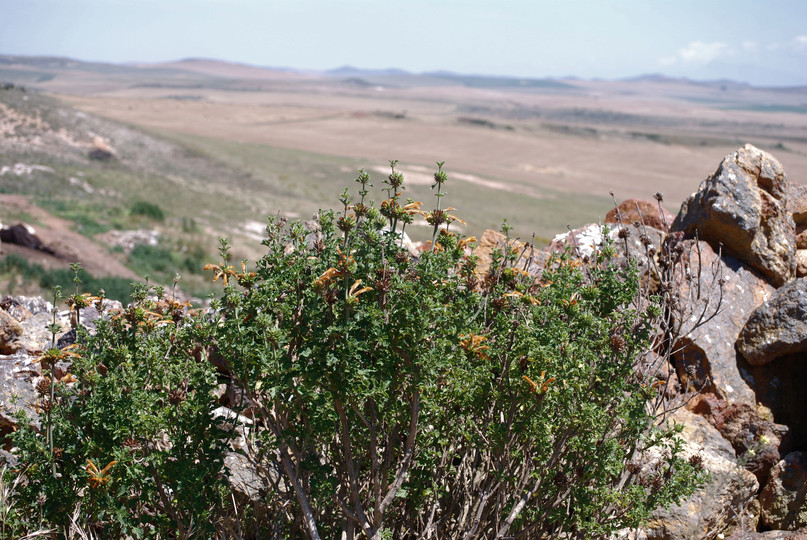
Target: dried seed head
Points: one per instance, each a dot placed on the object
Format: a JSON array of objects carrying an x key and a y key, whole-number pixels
[
  {"x": 43, "y": 386},
  {"x": 618, "y": 343},
  {"x": 175, "y": 397},
  {"x": 401, "y": 257},
  {"x": 645, "y": 240},
  {"x": 561, "y": 479},
  {"x": 696, "y": 461},
  {"x": 659, "y": 196},
  {"x": 624, "y": 233},
  {"x": 46, "y": 405}
]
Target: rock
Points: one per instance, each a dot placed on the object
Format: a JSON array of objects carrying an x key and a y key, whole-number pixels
[
  {"x": 713, "y": 507},
  {"x": 14, "y": 308},
  {"x": 743, "y": 207},
  {"x": 17, "y": 392},
  {"x": 243, "y": 477},
  {"x": 10, "y": 331},
  {"x": 797, "y": 203},
  {"x": 801, "y": 263},
  {"x": 531, "y": 259},
  {"x": 779, "y": 386},
  {"x": 801, "y": 534},
  {"x": 778, "y": 327},
  {"x": 705, "y": 356},
  {"x": 23, "y": 235},
  {"x": 644, "y": 212},
  {"x": 758, "y": 442},
  {"x": 34, "y": 304},
  {"x": 783, "y": 498}
]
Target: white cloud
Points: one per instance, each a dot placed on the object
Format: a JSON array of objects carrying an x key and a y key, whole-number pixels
[
  {"x": 800, "y": 43},
  {"x": 699, "y": 52}
]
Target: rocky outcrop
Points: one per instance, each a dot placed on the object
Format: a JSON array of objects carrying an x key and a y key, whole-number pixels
[
  {"x": 715, "y": 506},
  {"x": 706, "y": 357},
  {"x": 743, "y": 207},
  {"x": 643, "y": 212},
  {"x": 778, "y": 327},
  {"x": 784, "y": 498},
  {"x": 758, "y": 442}
]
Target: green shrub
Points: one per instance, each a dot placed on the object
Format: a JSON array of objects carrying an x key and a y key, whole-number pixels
[
  {"x": 400, "y": 395},
  {"x": 391, "y": 396},
  {"x": 147, "y": 209},
  {"x": 131, "y": 442}
]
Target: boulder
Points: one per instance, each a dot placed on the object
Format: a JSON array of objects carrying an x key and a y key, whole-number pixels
[
  {"x": 10, "y": 332},
  {"x": 783, "y": 501},
  {"x": 645, "y": 212},
  {"x": 743, "y": 207},
  {"x": 705, "y": 357},
  {"x": 715, "y": 506},
  {"x": 778, "y": 327},
  {"x": 23, "y": 235}
]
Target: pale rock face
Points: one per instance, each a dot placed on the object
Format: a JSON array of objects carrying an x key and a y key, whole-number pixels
[{"x": 708, "y": 351}]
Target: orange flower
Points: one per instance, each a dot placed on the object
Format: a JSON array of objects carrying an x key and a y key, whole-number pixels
[
  {"x": 221, "y": 271},
  {"x": 98, "y": 477},
  {"x": 473, "y": 343},
  {"x": 541, "y": 386},
  {"x": 327, "y": 276},
  {"x": 353, "y": 293}
]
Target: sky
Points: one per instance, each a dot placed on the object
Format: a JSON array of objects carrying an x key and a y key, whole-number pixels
[{"x": 759, "y": 42}]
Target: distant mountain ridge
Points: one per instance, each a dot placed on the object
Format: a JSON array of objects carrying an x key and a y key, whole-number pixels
[{"x": 240, "y": 70}]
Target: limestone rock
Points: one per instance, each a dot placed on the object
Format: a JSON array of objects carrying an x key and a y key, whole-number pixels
[
  {"x": 784, "y": 505},
  {"x": 713, "y": 507},
  {"x": 707, "y": 353},
  {"x": 778, "y": 327},
  {"x": 743, "y": 207},
  {"x": 10, "y": 331},
  {"x": 645, "y": 212}
]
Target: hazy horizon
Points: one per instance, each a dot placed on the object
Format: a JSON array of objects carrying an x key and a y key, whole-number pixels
[{"x": 736, "y": 40}]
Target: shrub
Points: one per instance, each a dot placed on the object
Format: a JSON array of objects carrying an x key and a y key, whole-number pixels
[
  {"x": 127, "y": 441},
  {"x": 401, "y": 396},
  {"x": 390, "y": 395},
  {"x": 147, "y": 209}
]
